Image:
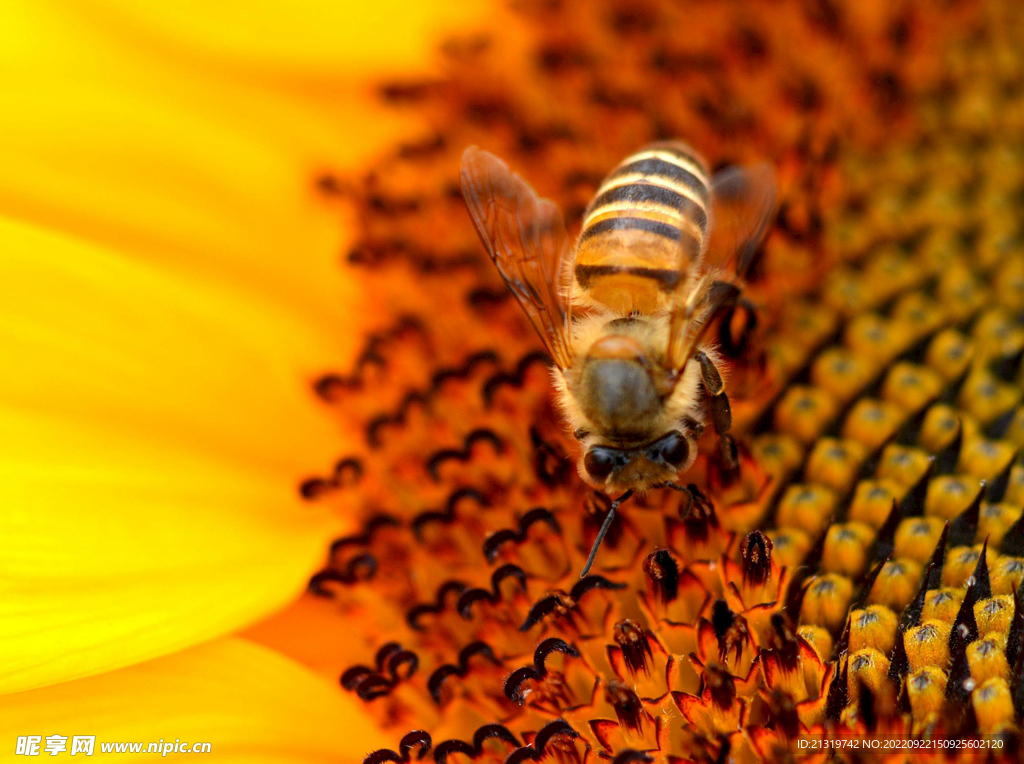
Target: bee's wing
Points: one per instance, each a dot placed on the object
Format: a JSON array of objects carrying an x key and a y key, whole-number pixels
[
  {"x": 691, "y": 315},
  {"x": 743, "y": 206},
  {"x": 525, "y": 237}
]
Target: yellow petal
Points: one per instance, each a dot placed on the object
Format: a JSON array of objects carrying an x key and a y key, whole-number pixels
[
  {"x": 251, "y": 704},
  {"x": 155, "y": 430},
  {"x": 309, "y": 37},
  {"x": 192, "y": 136},
  {"x": 171, "y": 286},
  {"x": 308, "y": 631}
]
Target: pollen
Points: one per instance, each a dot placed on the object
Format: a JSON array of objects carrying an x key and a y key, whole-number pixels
[
  {"x": 872, "y": 501},
  {"x": 942, "y": 604},
  {"x": 902, "y": 464},
  {"x": 835, "y": 463},
  {"x": 916, "y": 538},
  {"x": 850, "y": 560},
  {"x": 873, "y": 422},
  {"x": 804, "y": 412},
  {"x": 927, "y": 645},
  {"x": 819, "y": 639},
  {"x": 846, "y": 548},
  {"x": 842, "y": 372},
  {"x": 896, "y": 584},
  {"x": 950, "y": 495},
  {"x": 807, "y": 507},
  {"x": 987, "y": 660},
  {"x": 868, "y": 666},
  {"x": 960, "y": 564},
  {"x": 911, "y": 386},
  {"x": 993, "y": 706},
  {"x": 873, "y": 627},
  {"x": 926, "y": 691},
  {"x": 942, "y": 424},
  {"x": 1007, "y": 575},
  {"x": 994, "y": 614},
  {"x": 789, "y": 545},
  {"x": 827, "y": 600}
]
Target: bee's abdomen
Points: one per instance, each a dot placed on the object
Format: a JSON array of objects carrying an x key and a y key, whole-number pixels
[{"x": 649, "y": 212}]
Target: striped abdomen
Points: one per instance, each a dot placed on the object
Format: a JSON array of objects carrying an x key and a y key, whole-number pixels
[{"x": 645, "y": 228}]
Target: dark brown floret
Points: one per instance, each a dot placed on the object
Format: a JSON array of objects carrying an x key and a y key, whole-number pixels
[
  {"x": 663, "y": 572},
  {"x": 635, "y": 644},
  {"x": 721, "y": 686},
  {"x": 756, "y": 551},
  {"x": 628, "y": 708}
]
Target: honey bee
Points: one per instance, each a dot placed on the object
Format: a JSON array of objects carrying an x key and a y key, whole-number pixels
[{"x": 623, "y": 312}]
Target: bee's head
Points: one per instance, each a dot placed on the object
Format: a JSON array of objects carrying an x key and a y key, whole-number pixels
[
  {"x": 616, "y": 388},
  {"x": 620, "y": 469},
  {"x": 618, "y": 392}
]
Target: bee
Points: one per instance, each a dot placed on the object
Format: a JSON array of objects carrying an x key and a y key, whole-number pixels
[{"x": 623, "y": 311}]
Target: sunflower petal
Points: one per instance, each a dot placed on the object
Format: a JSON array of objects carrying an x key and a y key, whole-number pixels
[
  {"x": 193, "y": 138},
  {"x": 302, "y": 37},
  {"x": 251, "y": 704},
  {"x": 154, "y": 434}
]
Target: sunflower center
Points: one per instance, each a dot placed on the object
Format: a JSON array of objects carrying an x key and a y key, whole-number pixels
[{"x": 876, "y": 398}]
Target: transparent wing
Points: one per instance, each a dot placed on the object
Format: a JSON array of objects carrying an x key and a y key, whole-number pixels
[
  {"x": 743, "y": 207},
  {"x": 525, "y": 237},
  {"x": 691, "y": 315}
]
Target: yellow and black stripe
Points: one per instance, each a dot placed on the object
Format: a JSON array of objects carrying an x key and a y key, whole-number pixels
[{"x": 650, "y": 212}]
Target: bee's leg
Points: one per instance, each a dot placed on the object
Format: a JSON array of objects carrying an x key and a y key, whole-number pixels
[
  {"x": 721, "y": 413},
  {"x": 604, "y": 529}
]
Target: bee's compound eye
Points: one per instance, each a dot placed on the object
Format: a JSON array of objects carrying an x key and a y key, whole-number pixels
[
  {"x": 598, "y": 463},
  {"x": 675, "y": 450}
]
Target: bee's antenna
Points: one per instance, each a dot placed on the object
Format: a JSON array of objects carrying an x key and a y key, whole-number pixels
[{"x": 604, "y": 529}]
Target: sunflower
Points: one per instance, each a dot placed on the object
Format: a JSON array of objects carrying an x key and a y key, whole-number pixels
[{"x": 205, "y": 403}]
